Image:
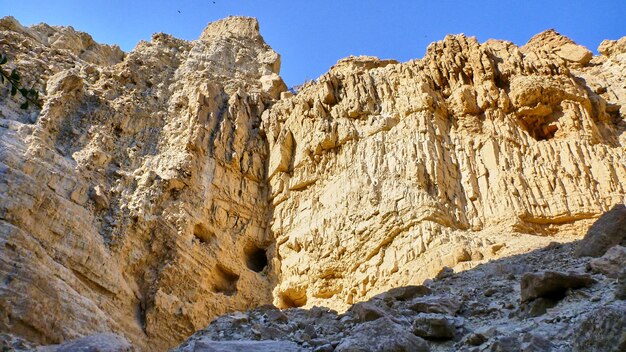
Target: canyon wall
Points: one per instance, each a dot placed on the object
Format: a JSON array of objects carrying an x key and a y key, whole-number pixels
[
  {"x": 160, "y": 188},
  {"x": 383, "y": 172},
  {"x": 135, "y": 201}
]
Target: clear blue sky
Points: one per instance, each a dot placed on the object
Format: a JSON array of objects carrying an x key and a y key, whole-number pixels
[{"x": 312, "y": 35}]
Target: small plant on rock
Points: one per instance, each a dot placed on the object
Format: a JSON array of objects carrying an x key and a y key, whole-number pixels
[{"x": 29, "y": 94}]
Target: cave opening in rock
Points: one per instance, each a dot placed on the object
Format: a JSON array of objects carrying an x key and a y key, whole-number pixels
[
  {"x": 543, "y": 128},
  {"x": 225, "y": 281},
  {"x": 203, "y": 234},
  {"x": 256, "y": 259},
  {"x": 292, "y": 299}
]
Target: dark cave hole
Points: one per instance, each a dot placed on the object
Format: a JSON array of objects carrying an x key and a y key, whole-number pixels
[
  {"x": 257, "y": 259},
  {"x": 203, "y": 234}
]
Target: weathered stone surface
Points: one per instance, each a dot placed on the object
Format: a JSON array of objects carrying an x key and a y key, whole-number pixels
[
  {"x": 366, "y": 311},
  {"x": 434, "y": 326},
  {"x": 606, "y": 232},
  {"x": 494, "y": 323},
  {"x": 135, "y": 201},
  {"x": 612, "y": 47},
  {"x": 551, "y": 284},
  {"x": 405, "y": 293},
  {"x": 381, "y": 335},
  {"x": 602, "y": 330},
  {"x": 93, "y": 343},
  {"x": 390, "y": 171},
  {"x": 620, "y": 291},
  {"x": 239, "y": 346},
  {"x": 160, "y": 188},
  {"x": 611, "y": 263},
  {"x": 436, "y": 304}
]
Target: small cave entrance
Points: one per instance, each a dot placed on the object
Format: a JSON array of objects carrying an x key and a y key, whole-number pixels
[
  {"x": 225, "y": 281},
  {"x": 543, "y": 127},
  {"x": 543, "y": 132},
  {"x": 292, "y": 298},
  {"x": 256, "y": 259},
  {"x": 203, "y": 234}
]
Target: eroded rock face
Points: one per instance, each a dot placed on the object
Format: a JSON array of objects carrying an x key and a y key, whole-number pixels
[
  {"x": 489, "y": 316},
  {"x": 382, "y": 173},
  {"x": 137, "y": 202},
  {"x": 161, "y": 188}
]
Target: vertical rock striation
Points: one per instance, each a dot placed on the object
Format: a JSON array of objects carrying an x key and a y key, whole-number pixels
[
  {"x": 136, "y": 201},
  {"x": 381, "y": 173},
  {"x": 160, "y": 188}
]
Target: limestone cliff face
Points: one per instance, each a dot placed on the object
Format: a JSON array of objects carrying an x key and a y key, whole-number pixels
[
  {"x": 382, "y": 173},
  {"x": 135, "y": 201},
  {"x": 160, "y": 188}
]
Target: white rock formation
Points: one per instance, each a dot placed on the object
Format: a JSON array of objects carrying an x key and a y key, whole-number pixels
[
  {"x": 160, "y": 188},
  {"x": 136, "y": 203},
  {"x": 382, "y": 173}
]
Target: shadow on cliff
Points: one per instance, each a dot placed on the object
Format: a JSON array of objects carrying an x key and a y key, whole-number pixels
[{"x": 456, "y": 311}]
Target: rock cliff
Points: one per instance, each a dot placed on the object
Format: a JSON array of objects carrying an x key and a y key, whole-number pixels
[
  {"x": 381, "y": 173},
  {"x": 160, "y": 188},
  {"x": 135, "y": 200}
]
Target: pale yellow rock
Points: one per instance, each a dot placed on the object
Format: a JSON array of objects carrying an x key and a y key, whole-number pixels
[
  {"x": 160, "y": 188},
  {"x": 447, "y": 156},
  {"x": 575, "y": 53},
  {"x": 135, "y": 201}
]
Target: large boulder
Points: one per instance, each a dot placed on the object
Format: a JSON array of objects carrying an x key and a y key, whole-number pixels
[
  {"x": 608, "y": 231},
  {"x": 436, "y": 304},
  {"x": 434, "y": 326},
  {"x": 381, "y": 335},
  {"x": 611, "y": 263},
  {"x": 551, "y": 284}
]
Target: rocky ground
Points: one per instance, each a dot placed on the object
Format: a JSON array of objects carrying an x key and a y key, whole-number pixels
[
  {"x": 564, "y": 297},
  {"x": 475, "y": 310}
]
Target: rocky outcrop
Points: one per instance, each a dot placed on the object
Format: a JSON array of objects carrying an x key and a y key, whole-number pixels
[
  {"x": 382, "y": 173},
  {"x": 134, "y": 202},
  {"x": 608, "y": 231},
  {"x": 611, "y": 263},
  {"x": 489, "y": 316},
  {"x": 160, "y": 188}
]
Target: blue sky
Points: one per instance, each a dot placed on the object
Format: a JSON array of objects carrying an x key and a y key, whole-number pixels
[{"x": 312, "y": 35}]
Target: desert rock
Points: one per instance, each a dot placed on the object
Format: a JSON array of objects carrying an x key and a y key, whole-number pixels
[
  {"x": 608, "y": 231},
  {"x": 551, "y": 284},
  {"x": 161, "y": 188},
  {"x": 611, "y": 263}
]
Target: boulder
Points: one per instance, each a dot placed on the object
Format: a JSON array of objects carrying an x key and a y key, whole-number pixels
[
  {"x": 434, "y": 327},
  {"x": 381, "y": 335},
  {"x": 437, "y": 304},
  {"x": 611, "y": 263},
  {"x": 602, "y": 330},
  {"x": 552, "y": 284},
  {"x": 366, "y": 311},
  {"x": 608, "y": 231},
  {"x": 406, "y": 293},
  {"x": 575, "y": 53}
]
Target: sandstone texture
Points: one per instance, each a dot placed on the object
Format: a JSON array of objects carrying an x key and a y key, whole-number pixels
[
  {"x": 382, "y": 173},
  {"x": 161, "y": 188},
  {"x": 490, "y": 316},
  {"x": 135, "y": 201}
]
